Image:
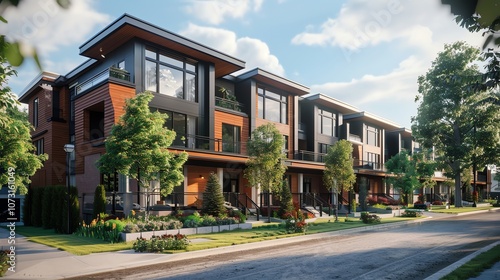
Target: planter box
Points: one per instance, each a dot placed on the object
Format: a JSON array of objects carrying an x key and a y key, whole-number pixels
[{"x": 186, "y": 231}]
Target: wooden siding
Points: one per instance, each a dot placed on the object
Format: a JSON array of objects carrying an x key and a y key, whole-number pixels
[
  {"x": 113, "y": 97},
  {"x": 227, "y": 118}
]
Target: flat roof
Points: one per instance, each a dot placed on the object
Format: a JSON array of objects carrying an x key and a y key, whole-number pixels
[
  {"x": 45, "y": 77},
  {"x": 330, "y": 102},
  {"x": 276, "y": 81},
  {"x": 128, "y": 27}
]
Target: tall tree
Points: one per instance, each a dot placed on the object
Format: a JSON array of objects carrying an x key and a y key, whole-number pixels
[
  {"x": 461, "y": 123},
  {"x": 339, "y": 172},
  {"x": 265, "y": 166},
  {"x": 137, "y": 147},
  {"x": 17, "y": 157},
  {"x": 481, "y": 16},
  {"x": 408, "y": 172}
]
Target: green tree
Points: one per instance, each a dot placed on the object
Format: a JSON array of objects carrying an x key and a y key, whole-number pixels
[
  {"x": 17, "y": 157},
  {"x": 99, "y": 201},
  {"x": 265, "y": 166},
  {"x": 213, "y": 201},
  {"x": 138, "y": 147},
  {"x": 339, "y": 172},
  {"x": 481, "y": 16},
  {"x": 286, "y": 199},
  {"x": 408, "y": 172},
  {"x": 460, "y": 123}
]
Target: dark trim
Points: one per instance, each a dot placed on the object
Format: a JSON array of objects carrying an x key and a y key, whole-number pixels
[{"x": 39, "y": 134}]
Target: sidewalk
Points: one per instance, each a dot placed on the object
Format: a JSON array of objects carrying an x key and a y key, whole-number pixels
[{"x": 36, "y": 261}]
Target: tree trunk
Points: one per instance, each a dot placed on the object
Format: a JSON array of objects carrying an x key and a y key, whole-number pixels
[{"x": 458, "y": 190}]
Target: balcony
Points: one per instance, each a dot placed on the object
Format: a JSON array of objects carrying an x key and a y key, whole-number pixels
[
  {"x": 228, "y": 104},
  {"x": 364, "y": 164},
  {"x": 355, "y": 138},
  {"x": 113, "y": 73},
  {"x": 199, "y": 142},
  {"x": 309, "y": 156}
]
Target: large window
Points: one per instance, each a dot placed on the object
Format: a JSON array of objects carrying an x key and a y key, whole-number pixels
[
  {"x": 372, "y": 136},
  {"x": 327, "y": 123},
  {"x": 272, "y": 106},
  {"x": 231, "y": 138},
  {"x": 169, "y": 75},
  {"x": 35, "y": 112},
  {"x": 184, "y": 127},
  {"x": 372, "y": 160}
]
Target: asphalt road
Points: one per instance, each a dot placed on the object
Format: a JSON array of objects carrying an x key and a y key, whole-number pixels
[{"x": 413, "y": 251}]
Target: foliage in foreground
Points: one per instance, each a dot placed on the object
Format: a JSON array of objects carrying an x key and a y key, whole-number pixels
[
  {"x": 475, "y": 266},
  {"x": 159, "y": 244}
]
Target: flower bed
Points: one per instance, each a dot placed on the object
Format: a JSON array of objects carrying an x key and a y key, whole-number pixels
[{"x": 185, "y": 231}]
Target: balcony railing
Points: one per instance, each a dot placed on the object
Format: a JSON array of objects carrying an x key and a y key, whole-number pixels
[
  {"x": 102, "y": 76},
  {"x": 200, "y": 142},
  {"x": 364, "y": 164},
  {"x": 309, "y": 156},
  {"x": 228, "y": 104},
  {"x": 354, "y": 137}
]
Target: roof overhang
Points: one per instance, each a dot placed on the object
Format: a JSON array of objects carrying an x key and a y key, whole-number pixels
[
  {"x": 373, "y": 119},
  {"x": 330, "y": 102},
  {"x": 44, "y": 77},
  {"x": 126, "y": 28},
  {"x": 275, "y": 81}
]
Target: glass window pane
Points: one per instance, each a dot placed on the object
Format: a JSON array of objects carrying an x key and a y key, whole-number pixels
[
  {"x": 272, "y": 110},
  {"x": 151, "y": 54},
  {"x": 273, "y": 95},
  {"x": 150, "y": 76},
  {"x": 171, "y": 82},
  {"x": 260, "y": 106},
  {"x": 179, "y": 126},
  {"x": 283, "y": 113},
  {"x": 190, "y": 87},
  {"x": 327, "y": 126},
  {"x": 171, "y": 61},
  {"x": 190, "y": 67}
]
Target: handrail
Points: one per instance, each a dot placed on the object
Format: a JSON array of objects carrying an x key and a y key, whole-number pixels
[
  {"x": 228, "y": 104},
  {"x": 100, "y": 77},
  {"x": 315, "y": 201},
  {"x": 236, "y": 199}
]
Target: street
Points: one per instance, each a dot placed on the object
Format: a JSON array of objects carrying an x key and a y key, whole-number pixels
[{"x": 413, "y": 251}]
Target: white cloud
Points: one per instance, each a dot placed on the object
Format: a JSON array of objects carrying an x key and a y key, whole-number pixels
[
  {"x": 217, "y": 11},
  {"x": 254, "y": 52},
  {"x": 418, "y": 29},
  {"x": 46, "y": 26}
]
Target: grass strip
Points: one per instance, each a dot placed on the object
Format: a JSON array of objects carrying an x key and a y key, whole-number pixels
[
  {"x": 475, "y": 266},
  {"x": 76, "y": 245}
]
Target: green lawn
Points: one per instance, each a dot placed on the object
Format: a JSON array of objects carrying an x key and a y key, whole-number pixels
[
  {"x": 458, "y": 210},
  {"x": 73, "y": 244},
  {"x": 475, "y": 266}
]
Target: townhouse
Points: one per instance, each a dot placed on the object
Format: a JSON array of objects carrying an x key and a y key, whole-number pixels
[{"x": 213, "y": 111}]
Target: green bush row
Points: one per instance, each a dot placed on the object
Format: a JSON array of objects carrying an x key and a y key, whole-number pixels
[{"x": 47, "y": 207}]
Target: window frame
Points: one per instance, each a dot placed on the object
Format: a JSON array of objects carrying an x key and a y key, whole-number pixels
[
  {"x": 189, "y": 68},
  {"x": 263, "y": 94},
  {"x": 36, "y": 104}
]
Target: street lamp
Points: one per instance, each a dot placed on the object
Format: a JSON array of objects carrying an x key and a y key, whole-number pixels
[{"x": 68, "y": 148}]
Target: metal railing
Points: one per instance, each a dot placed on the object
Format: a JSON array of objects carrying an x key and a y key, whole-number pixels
[
  {"x": 228, "y": 104},
  {"x": 243, "y": 202},
  {"x": 102, "y": 76},
  {"x": 200, "y": 142},
  {"x": 309, "y": 156}
]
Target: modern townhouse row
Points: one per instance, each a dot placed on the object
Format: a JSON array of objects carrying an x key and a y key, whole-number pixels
[{"x": 213, "y": 111}]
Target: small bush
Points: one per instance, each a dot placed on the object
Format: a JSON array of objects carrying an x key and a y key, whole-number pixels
[
  {"x": 99, "y": 201},
  {"x": 368, "y": 218},
  {"x": 411, "y": 214},
  {"x": 161, "y": 243},
  {"x": 437, "y": 202},
  {"x": 420, "y": 206}
]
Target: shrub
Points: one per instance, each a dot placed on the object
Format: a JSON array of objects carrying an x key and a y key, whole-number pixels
[
  {"x": 368, "y": 218},
  {"x": 239, "y": 215},
  {"x": 99, "y": 201},
  {"x": 36, "y": 217},
  {"x": 161, "y": 243},
  {"x": 4, "y": 262},
  {"x": 420, "y": 206},
  {"x": 295, "y": 222},
  {"x": 213, "y": 201},
  {"x": 286, "y": 200},
  {"x": 107, "y": 231},
  {"x": 411, "y": 214},
  {"x": 437, "y": 202},
  {"x": 193, "y": 220}
]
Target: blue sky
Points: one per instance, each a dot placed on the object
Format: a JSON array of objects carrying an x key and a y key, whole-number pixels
[{"x": 366, "y": 53}]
